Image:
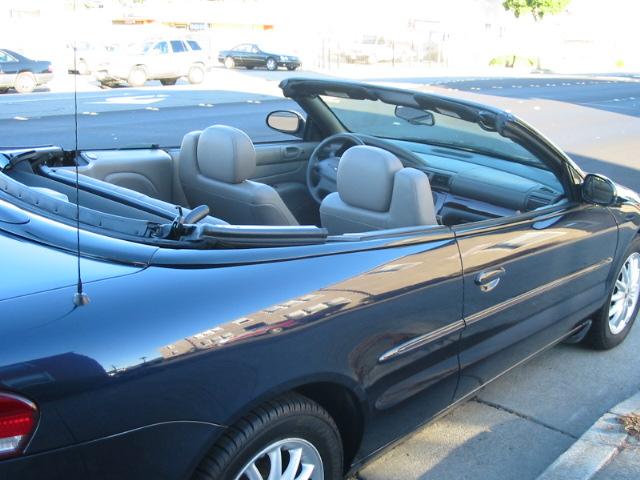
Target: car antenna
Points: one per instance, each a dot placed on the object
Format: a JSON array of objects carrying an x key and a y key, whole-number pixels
[{"x": 80, "y": 298}]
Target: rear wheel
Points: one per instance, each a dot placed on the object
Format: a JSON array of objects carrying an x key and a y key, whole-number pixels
[
  {"x": 612, "y": 323},
  {"x": 272, "y": 64},
  {"x": 168, "y": 81},
  {"x": 137, "y": 77},
  {"x": 290, "y": 437},
  {"x": 196, "y": 74},
  {"x": 25, "y": 82},
  {"x": 229, "y": 62}
]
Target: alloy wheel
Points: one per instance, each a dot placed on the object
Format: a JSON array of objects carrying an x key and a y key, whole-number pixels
[
  {"x": 625, "y": 294},
  {"x": 289, "y": 459}
]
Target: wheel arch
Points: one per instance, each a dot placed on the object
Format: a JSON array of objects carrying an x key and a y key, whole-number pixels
[{"x": 341, "y": 397}]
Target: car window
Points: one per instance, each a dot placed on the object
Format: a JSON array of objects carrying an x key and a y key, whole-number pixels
[
  {"x": 254, "y": 49},
  {"x": 5, "y": 57},
  {"x": 194, "y": 45},
  {"x": 178, "y": 46},
  {"x": 374, "y": 117},
  {"x": 162, "y": 47}
]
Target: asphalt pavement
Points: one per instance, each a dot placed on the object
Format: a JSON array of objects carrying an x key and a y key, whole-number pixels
[{"x": 520, "y": 424}]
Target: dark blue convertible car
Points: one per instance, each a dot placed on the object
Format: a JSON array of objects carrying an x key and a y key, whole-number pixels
[{"x": 288, "y": 310}]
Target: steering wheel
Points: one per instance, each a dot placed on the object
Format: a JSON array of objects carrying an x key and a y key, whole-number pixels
[{"x": 322, "y": 169}]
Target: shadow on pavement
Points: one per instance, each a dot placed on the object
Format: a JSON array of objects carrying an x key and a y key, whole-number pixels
[{"x": 622, "y": 174}]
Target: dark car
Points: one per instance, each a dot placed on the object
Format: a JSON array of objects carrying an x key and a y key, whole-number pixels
[
  {"x": 249, "y": 55},
  {"x": 22, "y": 73},
  {"x": 446, "y": 242}
]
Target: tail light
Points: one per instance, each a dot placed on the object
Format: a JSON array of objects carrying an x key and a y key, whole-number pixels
[{"x": 18, "y": 418}]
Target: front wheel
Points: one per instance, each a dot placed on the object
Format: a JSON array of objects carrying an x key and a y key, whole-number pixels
[
  {"x": 272, "y": 64},
  {"x": 137, "y": 77},
  {"x": 290, "y": 437},
  {"x": 195, "y": 75},
  {"x": 229, "y": 62},
  {"x": 612, "y": 323}
]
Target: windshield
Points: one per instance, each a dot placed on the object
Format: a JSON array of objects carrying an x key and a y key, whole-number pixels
[{"x": 377, "y": 118}]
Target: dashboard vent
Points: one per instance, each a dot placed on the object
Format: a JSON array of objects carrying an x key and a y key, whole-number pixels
[{"x": 440, "y": 181}]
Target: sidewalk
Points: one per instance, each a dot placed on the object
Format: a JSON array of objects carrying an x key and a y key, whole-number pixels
[{"x": 606, "y": 451}]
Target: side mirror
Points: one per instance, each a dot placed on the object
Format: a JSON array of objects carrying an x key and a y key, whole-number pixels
[
  {"x": 599, "y": 190},
  {"x": 415, "y": 116},
  {"x": 285, "y": 121}
]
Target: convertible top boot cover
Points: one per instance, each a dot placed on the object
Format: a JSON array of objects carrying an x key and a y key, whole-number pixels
[
  {"x": 214, "y": 167},
  {"x": 375, "y": 192}
]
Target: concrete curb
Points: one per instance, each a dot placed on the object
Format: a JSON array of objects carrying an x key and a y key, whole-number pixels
[{"x": 596, "y": 448}]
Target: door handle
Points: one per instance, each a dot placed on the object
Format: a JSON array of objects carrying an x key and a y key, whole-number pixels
[{"x": 489, "y": 279}]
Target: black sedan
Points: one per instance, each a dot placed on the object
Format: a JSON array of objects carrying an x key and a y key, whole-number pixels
[
  {"x": 446, "y": 242},
  {"x": 249, "y": 55},
  {"x": 22, "y": 73}
]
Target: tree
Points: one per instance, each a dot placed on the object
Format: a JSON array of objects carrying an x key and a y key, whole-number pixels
[{"x": 537, "y": 8}]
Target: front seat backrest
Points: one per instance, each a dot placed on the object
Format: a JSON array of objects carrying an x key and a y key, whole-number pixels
[
  {"x": 214, "y": 167},
  {"x": 375, "y": 192}
]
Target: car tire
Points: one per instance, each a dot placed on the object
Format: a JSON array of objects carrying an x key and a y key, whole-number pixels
[
  {"x": 272, "y": 64},
  {"x": 291, "y": 68},
  {"x": 229, "y": 63},
  {"x": 25, "y": 82},
  {"x": 167, "y": 82},
  {"x": 290, "y": 426},
  {"x": 611, "y": 326},
  {"x": 137, "y": 77},
  {"x": 196, "y": 74}
]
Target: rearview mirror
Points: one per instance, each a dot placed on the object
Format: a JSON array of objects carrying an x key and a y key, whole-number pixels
[
  {"x": 599, "y": 190},
  {"x": 285, "y": 121},
  {"x": 415, "y": 116}
]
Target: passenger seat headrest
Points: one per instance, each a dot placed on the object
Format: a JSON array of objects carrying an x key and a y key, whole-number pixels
[
  {"x": 225, "y": 153},
  {"x": 366, "y": 176}
]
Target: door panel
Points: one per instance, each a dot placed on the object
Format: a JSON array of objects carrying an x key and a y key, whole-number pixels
[
  {"x": 146, "y": 171},
  {"x": 284, "y": 167},
  {"x": 528, "y": 283}
]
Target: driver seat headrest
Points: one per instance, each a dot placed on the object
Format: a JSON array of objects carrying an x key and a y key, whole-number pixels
[
  {"x": 225, "y": 153},
  {"x": 376, "y": 192}
]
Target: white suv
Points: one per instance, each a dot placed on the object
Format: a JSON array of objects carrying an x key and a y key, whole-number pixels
[{"x": 164, "y": 60}]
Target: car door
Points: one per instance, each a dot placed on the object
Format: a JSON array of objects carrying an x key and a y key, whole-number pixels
[
  {"x": 529, "y": 280},
  {"x": 160, "y": 61},
  {"x": 180, "y": 58},
  {"x": 255, "y": 58},
  {"x": 8, "y": 69}
]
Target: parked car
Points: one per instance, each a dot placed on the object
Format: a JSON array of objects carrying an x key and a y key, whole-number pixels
[
  {"x": 222, "y": 339},
  {"x": 166, "y": 60},
  {"x": 369, "y": 49},
  {"x": 84, "y": 57},
  {"x": 249, "y": 55},
  {"x": 22, "y": 73}
]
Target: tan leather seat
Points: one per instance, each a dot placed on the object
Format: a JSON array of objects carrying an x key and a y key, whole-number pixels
[
  {"x": 214, "y": 168},
  {"x": 375, "y": 192}
]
